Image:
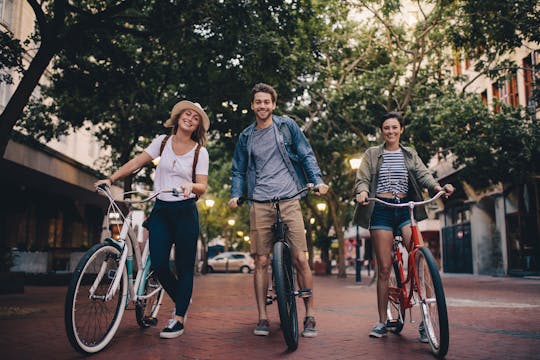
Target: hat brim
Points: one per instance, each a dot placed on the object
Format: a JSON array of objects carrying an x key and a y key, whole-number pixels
[{"x": 184, "y": 105}]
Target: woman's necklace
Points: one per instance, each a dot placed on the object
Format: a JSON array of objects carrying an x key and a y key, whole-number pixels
[{"x": 180, "y": 145}]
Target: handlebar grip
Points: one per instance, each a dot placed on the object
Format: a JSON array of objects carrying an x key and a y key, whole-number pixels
[
  {"x": 103, "y": 186},
  {"x": 241, "y": 200}
]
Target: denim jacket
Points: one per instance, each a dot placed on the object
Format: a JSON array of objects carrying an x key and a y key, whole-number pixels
[
  {"x": 367, "y": 178},
  {"x": 294, "y": 148}
]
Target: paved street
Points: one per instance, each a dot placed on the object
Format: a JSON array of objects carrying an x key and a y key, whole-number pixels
[{"x": 490, "y": 318}]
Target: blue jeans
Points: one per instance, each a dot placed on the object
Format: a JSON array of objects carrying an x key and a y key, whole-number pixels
[
  {"x": 388, "y": 218},
  {"x": 174, "y": 222}
]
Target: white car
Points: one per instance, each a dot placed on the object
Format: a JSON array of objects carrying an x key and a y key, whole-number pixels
[{"x": 231, "y": 262}]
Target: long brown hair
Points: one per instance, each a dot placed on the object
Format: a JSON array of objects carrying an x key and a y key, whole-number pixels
[{"x": 199, "y": 135}]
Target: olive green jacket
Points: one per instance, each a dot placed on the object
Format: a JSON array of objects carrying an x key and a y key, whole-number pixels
[{"x": 367, "y": 178}]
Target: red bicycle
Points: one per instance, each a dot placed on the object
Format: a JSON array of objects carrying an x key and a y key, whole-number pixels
[{"x": 424, "y": 285}]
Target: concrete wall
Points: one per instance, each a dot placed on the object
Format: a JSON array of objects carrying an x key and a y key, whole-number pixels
[{"x": 486, "y": 239}]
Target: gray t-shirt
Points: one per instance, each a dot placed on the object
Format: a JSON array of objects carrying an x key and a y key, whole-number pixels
[{"x": 272, "y": 176}]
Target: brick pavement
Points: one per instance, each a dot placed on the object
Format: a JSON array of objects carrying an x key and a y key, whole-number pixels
[{"x": 490, "y": 318}]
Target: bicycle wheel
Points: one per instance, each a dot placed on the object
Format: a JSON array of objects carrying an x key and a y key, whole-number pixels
[
  {"x": 90, "y": 320},
  {"x": 146, "y": 310},
  {"x": 284, "y": 287},
  {"x": 432, "y": 302},
  {"x": 395, "y": 310}
]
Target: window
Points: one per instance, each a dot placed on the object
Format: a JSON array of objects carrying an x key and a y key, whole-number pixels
[
  {"x": 495, "y": 92},
  {"x": 457, "y": 64},
  {"x": 527, "y": 77},
  {"x": 484, "y": 97},
  {"x": 6, "y": 12},
  {"x": 513, "y": 96},
  {"x": 507, "y": 91}
]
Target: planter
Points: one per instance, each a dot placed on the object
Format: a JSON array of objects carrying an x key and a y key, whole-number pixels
[
  {"x": 320, "y": 267},
  {"x": 12, "y": 282}
]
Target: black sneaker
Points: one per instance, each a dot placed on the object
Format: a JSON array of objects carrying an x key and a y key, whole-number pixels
[{"x": 173, "y": 329}]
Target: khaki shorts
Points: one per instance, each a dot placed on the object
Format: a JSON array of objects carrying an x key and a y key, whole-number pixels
[{"x": 263, "y": 215}]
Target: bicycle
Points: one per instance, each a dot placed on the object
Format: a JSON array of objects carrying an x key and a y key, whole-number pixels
[
  {"x": 283, "y": 275},
  {"x": 425, "y": 285},
  {"x": 98, "y": 291}
]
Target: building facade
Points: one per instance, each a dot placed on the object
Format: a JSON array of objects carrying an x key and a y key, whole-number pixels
[
  {"x": 496, "y": 231},
  {"x": 51, "y": 212}
]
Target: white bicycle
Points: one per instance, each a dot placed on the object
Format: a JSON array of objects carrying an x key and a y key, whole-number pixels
[{"x": 103, "y": 284}]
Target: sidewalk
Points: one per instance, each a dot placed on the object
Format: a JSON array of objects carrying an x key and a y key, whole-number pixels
[{"x": 490, "y": 318}]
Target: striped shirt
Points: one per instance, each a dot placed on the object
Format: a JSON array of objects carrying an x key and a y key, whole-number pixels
[{"x": 393, "y": 176}]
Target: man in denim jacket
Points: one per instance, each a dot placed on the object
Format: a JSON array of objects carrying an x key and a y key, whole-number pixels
[{"x": 274, "y": 159}]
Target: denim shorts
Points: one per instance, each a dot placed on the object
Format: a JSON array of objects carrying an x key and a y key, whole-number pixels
[{"x": 388, "y": 218}]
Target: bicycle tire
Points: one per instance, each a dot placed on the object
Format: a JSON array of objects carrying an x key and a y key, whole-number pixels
[
  {"x": 146, "y": 310},
  {"x": 395, "y": 310},
  {"x": 284, "y": 286},
  {"x": 432, "y": 302},
  {"x": 91, "y": 322}
]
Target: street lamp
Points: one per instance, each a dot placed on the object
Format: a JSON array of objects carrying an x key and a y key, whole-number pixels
[
  {"x": 231, "y": 223},
  {"x": 355, "y": 165},
  {"x": 321, "y": 206}
]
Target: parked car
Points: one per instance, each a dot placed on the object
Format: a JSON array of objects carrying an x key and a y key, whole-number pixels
[{"x": 231, "y": 262}]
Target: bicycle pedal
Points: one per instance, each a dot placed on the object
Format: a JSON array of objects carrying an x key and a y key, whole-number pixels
[
  {"x": 304, "y": 293},
  {"x": 150, "y": 321},
  {"x": 391, "y": 323}
]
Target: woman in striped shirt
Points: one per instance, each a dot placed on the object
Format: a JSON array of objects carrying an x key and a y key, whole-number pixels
[{"x": 394, "y": 173}]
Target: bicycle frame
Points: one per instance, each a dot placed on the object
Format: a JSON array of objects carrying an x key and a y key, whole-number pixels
[
  {"x": 129, "y": 246},
  {"x": 414, "y": 245}
]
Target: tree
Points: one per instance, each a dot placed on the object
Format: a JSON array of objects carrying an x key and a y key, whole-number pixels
[
  {"x": 366, "y": 68},
  {"x": 61, "y": 24},
  {"x": 123, "y": 82}
]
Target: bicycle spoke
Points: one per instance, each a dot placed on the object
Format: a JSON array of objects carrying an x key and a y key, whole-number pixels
[{"x": 90, "y": 320}]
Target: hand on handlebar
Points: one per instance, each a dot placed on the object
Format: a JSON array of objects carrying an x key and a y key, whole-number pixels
[
  {"x": 186, "y": 189},
  {"x": 233, "y": 203},
  {"x": 100, "y": 183},
  {"x": 321, "y": 189},
  {"x": 447, "y": 188},
  {"x": 362, "y": 198}
]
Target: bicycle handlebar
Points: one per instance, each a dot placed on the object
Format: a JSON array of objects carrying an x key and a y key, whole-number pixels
[
  {"x": 309, "y": 187},
  {"x": 104, "y": 188},
  {"x": 410, "y": 204}
]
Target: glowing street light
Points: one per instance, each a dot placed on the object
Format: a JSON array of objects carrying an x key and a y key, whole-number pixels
[
  {"x": 209, "y": 203},
  {"x": 321, "y": 206},
  {"x": 355, "y": 163}
]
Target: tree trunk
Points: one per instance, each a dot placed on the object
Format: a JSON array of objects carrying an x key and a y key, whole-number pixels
[
  {"x": 333, "y": 205},
  {"x": 21, "y": 96}
]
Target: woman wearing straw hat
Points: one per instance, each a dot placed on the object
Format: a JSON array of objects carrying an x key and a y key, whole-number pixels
[{"x": 174, "y": 220}]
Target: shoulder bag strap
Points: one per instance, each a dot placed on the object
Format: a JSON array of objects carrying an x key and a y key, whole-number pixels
[
  {"x": 163, "y": 144},
  {"x": 195, "y": 159}
]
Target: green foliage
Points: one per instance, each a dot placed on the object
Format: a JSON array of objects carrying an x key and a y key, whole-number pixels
[
  {"x": 488, "y": 147},
  {"x": 10, "y": 57},
  {"x": 495, "y": 27}
]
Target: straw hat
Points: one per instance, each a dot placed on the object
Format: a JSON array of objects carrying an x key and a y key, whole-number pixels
[{"x": 183, "y": 105}]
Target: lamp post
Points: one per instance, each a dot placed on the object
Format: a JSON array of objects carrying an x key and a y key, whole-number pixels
[
  {"x": 355, "y": 165},
  {"x": 209, "y": 203},
  {"x": 325, "y": 248},
  {"x": 231, "y": 223}
]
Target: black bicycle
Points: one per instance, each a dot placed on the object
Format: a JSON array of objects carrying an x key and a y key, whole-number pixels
[{"x": 283, "y": 274}]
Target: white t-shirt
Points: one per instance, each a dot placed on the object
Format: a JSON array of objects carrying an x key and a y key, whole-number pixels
[{"x": 174, "y": 170}]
